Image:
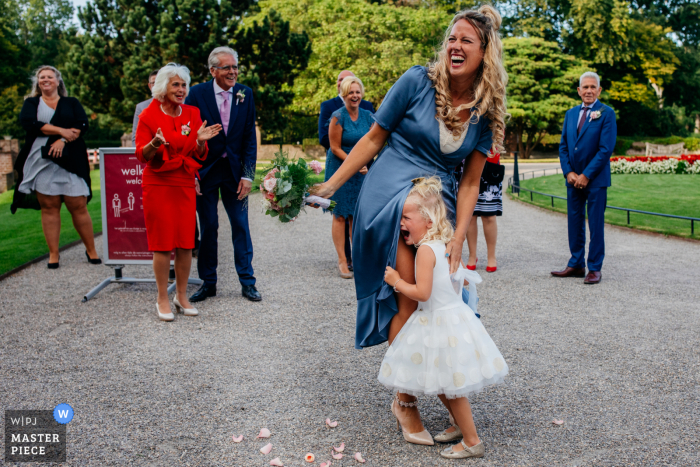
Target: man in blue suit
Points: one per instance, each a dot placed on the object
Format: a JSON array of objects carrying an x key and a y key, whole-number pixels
[
  {"x": 587, "y": 142},
  {"x": 229, "y": 169},
  {"x": 327, "y": 109}
]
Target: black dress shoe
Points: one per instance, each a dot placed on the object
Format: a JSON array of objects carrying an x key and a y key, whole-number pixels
[
  {"x": 251, "y": 293},
  {"x": 52, "y": 265},
  {"x": 92, "y": 261},
  {"x": 205, "y": 291}
]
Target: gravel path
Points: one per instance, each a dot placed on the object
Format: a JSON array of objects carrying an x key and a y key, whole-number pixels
[{"x": 617, "y": 362}]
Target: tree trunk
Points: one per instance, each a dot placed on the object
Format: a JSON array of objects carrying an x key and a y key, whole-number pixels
[
  {"x": 522, "y": 152},
  {"x": 697, "y": 124}
]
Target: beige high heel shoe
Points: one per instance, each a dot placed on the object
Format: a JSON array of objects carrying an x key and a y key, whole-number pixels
[{"x": 423, "y": 437}]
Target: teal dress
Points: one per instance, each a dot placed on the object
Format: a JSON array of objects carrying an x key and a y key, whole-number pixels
[
  {"x": 346, "y": 196},
  {"x": 412, "y": 150}
]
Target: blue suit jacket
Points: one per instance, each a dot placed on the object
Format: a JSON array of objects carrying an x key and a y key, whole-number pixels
[
  {"x": 240, "y": 144},
  {"x": 327, "y": 108},
  {"x": 589, "y": 152}
]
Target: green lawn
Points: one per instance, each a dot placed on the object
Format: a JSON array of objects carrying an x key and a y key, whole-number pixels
[
  {"x": 21, "y": 237},
  {"x": 663, "y": 193}
]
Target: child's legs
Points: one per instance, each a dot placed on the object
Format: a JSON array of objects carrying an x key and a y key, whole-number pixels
[{"x": 462, "y": 413}]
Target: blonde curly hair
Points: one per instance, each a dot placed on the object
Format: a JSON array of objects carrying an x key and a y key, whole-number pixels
[
  {"x": 489, "y": 85},
  {"x": 426, "y": 194}
]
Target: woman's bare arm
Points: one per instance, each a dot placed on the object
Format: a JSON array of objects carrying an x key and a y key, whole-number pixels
[
  {"x": 421, "y": 290},
  {"x": 466, "y": 201},
  {"x": 364, "y": 151},
  {"x": 335, "y": 136}
]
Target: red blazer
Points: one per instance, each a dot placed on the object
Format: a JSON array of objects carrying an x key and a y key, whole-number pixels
[{"x": 175, "y": 164}]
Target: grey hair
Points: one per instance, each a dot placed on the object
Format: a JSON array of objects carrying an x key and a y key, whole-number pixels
[
  {"x": 62, "y": 91},
  {"x": 214, "y": 56},
  {"x": 589, "y": 74},
  {"x": 160, "y": 88}
]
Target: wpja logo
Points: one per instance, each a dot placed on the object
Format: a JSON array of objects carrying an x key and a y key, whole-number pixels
[{"x": 37, "y": 435}]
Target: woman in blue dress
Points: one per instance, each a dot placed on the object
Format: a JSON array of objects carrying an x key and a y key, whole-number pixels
[
  {"x": 432, "y": 119},
  {"x": 347, "y": 126}
]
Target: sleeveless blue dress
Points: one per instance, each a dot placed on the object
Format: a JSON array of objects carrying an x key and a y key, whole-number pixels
[
  {"x": 412, "y": 150},
  {"x": 346, "y": 196}
]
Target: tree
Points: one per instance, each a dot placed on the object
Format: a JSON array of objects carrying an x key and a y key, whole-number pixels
[
  {"x": 271, "y": 57},
  {"x": 124, "y": 41},
  {"x": 45, "y": 28},
  {"x": 378, "y": 42},
  {"x": 541, "y": 88}
]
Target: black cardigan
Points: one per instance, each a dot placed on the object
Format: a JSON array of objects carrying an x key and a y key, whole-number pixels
[{"x": 69, "y": 114}]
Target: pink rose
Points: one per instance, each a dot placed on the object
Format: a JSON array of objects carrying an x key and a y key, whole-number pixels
[
  {"x": 316, "y": 167},
  {"x": 269, "y": 182},
  {"x": 270, "y": 195}
]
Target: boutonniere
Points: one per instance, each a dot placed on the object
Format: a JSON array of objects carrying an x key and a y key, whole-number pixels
[
  {"x": 186, "y": 129},
  {"x": 595, "y": 115},
  {"x": 240, "y": 96}
]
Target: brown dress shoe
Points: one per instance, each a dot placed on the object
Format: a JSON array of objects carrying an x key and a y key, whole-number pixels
[
  {"x": 593, "y": 277},
  {"x": 570, "y": 272}
]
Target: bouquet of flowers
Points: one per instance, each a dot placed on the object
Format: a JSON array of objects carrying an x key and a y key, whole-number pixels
[{"x": 285, "y": 187}]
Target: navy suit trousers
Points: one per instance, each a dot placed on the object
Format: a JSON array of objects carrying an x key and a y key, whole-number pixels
[
  {"x": 576, "y": 208},
  {"x": 221, "y": 179}
]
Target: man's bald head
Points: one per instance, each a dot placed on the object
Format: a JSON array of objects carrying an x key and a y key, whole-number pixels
[{"x": 343, "y": 74}]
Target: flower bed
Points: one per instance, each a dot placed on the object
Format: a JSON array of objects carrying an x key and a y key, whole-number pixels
[{"x": 685, "y": 164}]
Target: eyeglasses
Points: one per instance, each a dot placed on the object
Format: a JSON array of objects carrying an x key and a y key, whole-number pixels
[{"x": 226, "y": 68}]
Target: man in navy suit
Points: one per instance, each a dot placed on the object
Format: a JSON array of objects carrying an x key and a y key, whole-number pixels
[
  {"x": 587, "y": 142},
  {"x": 229, "y": 169},
  {"x": 327, "y": 108}
]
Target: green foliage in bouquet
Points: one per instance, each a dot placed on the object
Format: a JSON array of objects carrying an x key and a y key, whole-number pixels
[{"x": 291, "y": 179}]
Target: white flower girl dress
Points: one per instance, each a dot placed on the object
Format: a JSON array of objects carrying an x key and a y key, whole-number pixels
[{"x": 443, "y": 348}]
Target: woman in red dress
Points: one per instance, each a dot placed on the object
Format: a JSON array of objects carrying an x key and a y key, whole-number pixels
[{"x": 171, "y": 138}]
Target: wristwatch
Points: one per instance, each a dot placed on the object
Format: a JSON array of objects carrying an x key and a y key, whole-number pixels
[{"x": 65, "y": 141}]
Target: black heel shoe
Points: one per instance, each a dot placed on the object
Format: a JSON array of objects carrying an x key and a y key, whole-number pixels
[
  {"x": 53, "y": 265},
  {"x": 90, "y": 260}
]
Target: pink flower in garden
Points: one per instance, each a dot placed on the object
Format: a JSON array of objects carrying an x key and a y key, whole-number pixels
[{"x": 316, "y": 167}]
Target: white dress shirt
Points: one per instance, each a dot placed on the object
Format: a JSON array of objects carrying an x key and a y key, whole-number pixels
[
  {"x": 219, "y": 93},
  {"x": 580, "y": 112}
]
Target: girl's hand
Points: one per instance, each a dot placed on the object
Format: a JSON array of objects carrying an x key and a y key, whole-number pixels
[
  {"x": 206, "y": 133},
  {"x": 391, "y": 276},
  {"x": 364, "y": 170},
  {"x": 453, "y": 251},
  {"x": 56, "y": 149}
]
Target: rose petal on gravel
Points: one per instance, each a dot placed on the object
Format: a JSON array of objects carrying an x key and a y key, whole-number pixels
[
  {"x": 337, "y": 456},
  {"x": 266, "y": 449},
  {"x": 325, "y": 464},
  {"x": 264, "y": 433},
  {"x": 340, "y": 448},
  {"x": 276, "y": 461},
  {"x": 330, "y": 423},
  {"x": 558, "y": 422},
  {"x": 358, "y": 457},
  {"x": 309, "y": 457},
  {"x": 237, "y": 439}
]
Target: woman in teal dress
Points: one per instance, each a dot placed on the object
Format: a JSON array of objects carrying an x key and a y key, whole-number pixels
[
  {"x": 347, "y": 126},
  {"x": 432, "y": 119}
]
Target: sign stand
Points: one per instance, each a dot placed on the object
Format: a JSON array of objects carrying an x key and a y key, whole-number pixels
[{"x": 123, "y": 225}]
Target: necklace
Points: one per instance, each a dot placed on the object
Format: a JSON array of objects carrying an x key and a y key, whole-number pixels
[{"x": 166, "y": 113}]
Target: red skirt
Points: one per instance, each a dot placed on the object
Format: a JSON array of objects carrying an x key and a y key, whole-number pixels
[{"x": 171, "y": 216}]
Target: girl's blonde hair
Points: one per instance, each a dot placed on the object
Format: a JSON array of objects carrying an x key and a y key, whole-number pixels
[
  {"x": 489, "y": 85},
  {"x": 427, "y": 195},
  {"x": 349, "y": 81}
]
